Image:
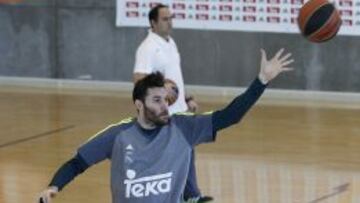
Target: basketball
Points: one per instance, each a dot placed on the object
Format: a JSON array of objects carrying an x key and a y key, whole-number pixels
[
  {"x": 319, "y": 20},
  {"x": 173, "y": 91}
]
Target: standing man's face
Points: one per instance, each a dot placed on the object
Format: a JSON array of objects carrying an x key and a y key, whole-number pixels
[{"x": 163, "y": 25}]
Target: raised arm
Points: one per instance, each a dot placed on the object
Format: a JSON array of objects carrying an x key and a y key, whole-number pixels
[{"x": 269, "y": 69}]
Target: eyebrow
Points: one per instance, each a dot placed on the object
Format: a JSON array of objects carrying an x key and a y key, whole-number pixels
[
  {"x": 156, "y": 97},
  {"x": 168, "y": 17}
]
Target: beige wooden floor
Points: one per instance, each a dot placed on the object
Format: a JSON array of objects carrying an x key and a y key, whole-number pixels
[{"x": 277, "y": 154}]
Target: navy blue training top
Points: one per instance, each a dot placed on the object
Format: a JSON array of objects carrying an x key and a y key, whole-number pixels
[{"x": 221, "y": 119}]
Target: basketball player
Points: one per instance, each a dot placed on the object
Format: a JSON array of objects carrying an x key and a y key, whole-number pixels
[
  {"x": 150, "y": 154},
  {"x": 158, "y": 52}
]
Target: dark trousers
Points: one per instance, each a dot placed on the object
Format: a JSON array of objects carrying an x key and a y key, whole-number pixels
[{"x": 191, "y": 187}]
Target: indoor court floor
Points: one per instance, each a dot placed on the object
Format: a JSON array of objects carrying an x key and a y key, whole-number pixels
[{"x": 277, "y": 154}]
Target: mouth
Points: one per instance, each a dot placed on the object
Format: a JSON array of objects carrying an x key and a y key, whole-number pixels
[
  {"x": 164, "y": 113},
  {"x": 164, "y": 116}
]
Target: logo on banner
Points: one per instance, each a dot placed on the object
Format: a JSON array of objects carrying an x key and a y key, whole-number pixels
[
  {"x": 226, "y": 8},
  {"x": 273, "y": 9},
  {"x": 153, "y": 4},
  {"x": 265, "y": 15},
  {"x": 347, "y": 22},
  {"x": 273, "y": 19},
  {"x": 249, "y": 18},
  {"x": 202, "y": 7},
  {"x": 132, "y": 14},
  {"x": 297, "y": 2},
  {"x": 132, "y": 4},
  {"x": 295, "y": 11},
  {"x": 180, "y": 16},
  {"x": 346, "y": 3},
  {"x": 249, "y": 9},
  {"x": 346, "y": 13},
  {"x": 202, "y": 17},
  {"x": 225, "y": 17},
  {"x": 179, "y": 6},
  {"x": 273, "y": 1}
]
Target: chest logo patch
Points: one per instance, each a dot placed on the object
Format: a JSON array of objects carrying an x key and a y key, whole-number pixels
[{"x": 148, "y": 185}]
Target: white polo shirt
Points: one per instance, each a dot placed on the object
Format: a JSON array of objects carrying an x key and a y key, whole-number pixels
[{"x": 157, "y": 54}]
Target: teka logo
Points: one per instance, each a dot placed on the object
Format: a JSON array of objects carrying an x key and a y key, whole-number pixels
[{"x": 146, "y": 186}]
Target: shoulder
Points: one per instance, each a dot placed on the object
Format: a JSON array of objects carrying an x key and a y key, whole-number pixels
[
  {"x": 189, "y": 116},
  {"x": 123, "y": 124},
  {"x": 172, "y": 42},
  {"x": 148, "y": 44},
  {"x": 114, "y": 129}
]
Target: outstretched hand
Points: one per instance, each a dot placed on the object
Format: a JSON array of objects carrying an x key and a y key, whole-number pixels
[
  {"x": 273, "y": 67},
  {"x": 48, "y": 194}
]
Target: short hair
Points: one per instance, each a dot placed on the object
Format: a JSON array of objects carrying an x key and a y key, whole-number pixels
[
  {"x": 154, "y": 12},
  {"x": 150, "y": 81}
]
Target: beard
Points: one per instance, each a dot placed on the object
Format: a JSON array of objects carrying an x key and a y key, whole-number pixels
[{"x": 157, "y": 119}]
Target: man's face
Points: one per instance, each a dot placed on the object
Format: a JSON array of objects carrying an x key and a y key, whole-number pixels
[
  {"x": 163, "y": 25},
  {"x": 156, "y": 106}
]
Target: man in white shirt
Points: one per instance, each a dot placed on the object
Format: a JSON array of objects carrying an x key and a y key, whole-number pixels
[{"x": 158, "y": 52}]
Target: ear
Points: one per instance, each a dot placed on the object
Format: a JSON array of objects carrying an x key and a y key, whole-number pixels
[
  {"x": 152, "y": 23},
  {"x": 139, "y": 104}
]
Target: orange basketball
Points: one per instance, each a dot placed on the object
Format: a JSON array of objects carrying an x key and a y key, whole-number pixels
[{"x": 319, "y": 20}]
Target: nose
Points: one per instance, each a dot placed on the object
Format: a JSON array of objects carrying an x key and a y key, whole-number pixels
[
  {"x": 169, "y": 21},
  {"x": 165, "y": 105}
]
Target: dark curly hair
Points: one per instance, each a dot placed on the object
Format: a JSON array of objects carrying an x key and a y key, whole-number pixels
[{"x": 150, "y": 81}]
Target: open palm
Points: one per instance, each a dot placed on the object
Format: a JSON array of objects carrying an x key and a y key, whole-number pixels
[{"x": 273, "y": 67}]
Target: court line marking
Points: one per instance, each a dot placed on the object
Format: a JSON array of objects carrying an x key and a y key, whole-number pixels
[
  {"x": 37, "y": 136},
  {"x": 337, "y": 190}
]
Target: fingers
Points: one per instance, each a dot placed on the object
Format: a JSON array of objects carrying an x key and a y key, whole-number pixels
[
  {"x": 43, "y": 199},
  {"x": 278, "y": 54},
  {"x": 192, "y": 106},
  {"x": 285, "y": 63},
  {"x": 286, "y": 69},
  {"x": 284, "y": 60},
  {"x": 263, "y": 55},
  {"x": 46, "y": 195},
  {"x": 271, "y": 68},
  {"x": 192, "y": 109},
  {"x": 286, "y": 57}
]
